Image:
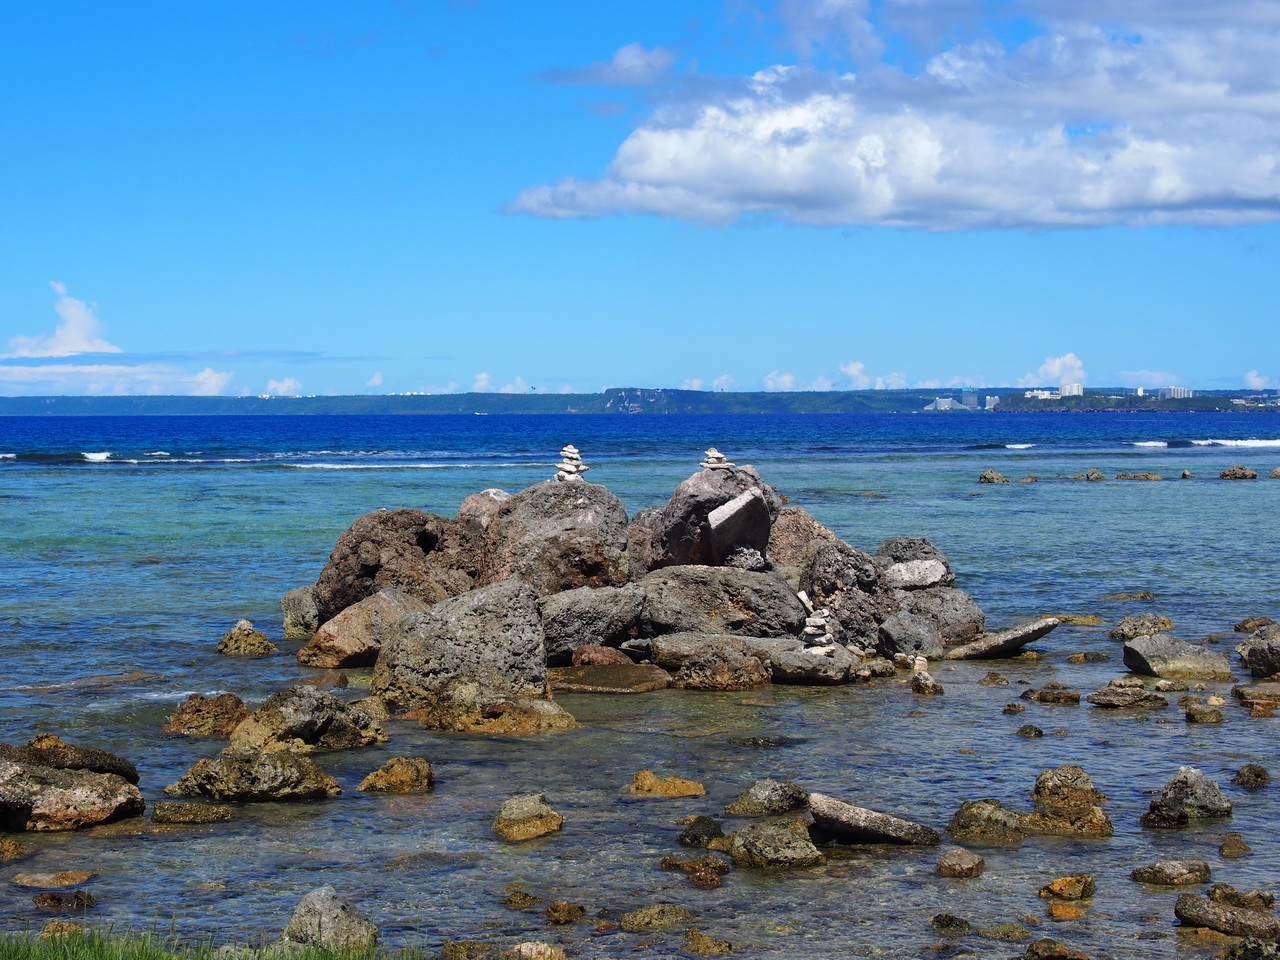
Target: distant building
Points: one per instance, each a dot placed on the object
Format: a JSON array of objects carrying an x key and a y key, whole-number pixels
[
  {"x": 992, "y": 402},
  {"x": 1142, "y": 392},
  {"x": 1071, "y": 390},
  {"x": 944, "y": 403},
  {"x": 969, "y": 399},
  {"x": 1175, "y": 393},
  {"x": 1041, "y": 395}
]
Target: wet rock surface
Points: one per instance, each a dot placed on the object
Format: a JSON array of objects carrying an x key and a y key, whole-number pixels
[
  {"x": 254, "y": 776},
  {"x": 526, "y": 817},
  {"x": 853, "y": 824},
  {"x": 245, "y": 640},
  {"x": 301, "y": 719},
  {"x": 43, "y": 799},
  {"x": 1164, "y": 655},
  {"x": 1173, "y": 873},
  {"x": 1189, "y": 796},
  {"x": 200, "y": 716},
  {"x": 767, "y": 798},
  {"x": 354, "y": 637},
  {"x": 400, "y": 775},
  {"x": 774, "y": 845}
]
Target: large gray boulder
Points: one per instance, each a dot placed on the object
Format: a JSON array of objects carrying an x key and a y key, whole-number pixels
[
  {"x": 1140, "y": 625},
  {"x": 426, "y": 556},
  {"x": 354, "y": 637},
  {"x": 768, "y": 798},
  {"x": 46, "y": 799},
  {"x": 704, "y": 599},
  {"x": 48, "y": 750},
  {"x": 479, "y": 510},
  {"x": 303, "y": 718},
  {"x": 851, "y": 824},
  {"x": 812, "y": 666},
  {"x": 913, "y": 563},
  {"x": 1260, "y": 653},
  {"x": 491, "y": 636},
  {"x": 687, "y": 532},
  {"x": 700, "y": 661},
  {"x": 590, "y": 616},
  {"x": 1003, "y": 643},
  {"x": 255, "y": 776},
  {"x": 326, "y": 921},
  {"x": 956, "y": 615},
  {"x": 1234, "y": 921},
  {"x": 908, "y": 633},
  {"x": 558, "y": 536},
  {"x": 850, "y": 584},
  {"x": 1189, "y": 796},
  {"x": 1164, "y": 655}
]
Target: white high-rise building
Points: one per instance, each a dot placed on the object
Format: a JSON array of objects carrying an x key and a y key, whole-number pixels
[{"x": 1071, "y": 390}]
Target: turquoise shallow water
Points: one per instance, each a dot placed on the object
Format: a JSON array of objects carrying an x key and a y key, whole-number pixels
[{"x": 132, "y": 561}]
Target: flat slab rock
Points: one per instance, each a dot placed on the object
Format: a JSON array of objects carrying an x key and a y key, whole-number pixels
[
  {"x": 859, "y": 825},
  {"x": 1257, "y": 691},
  {"x": 1002, "y": 643},
  {"x": 608, "y": 678}
]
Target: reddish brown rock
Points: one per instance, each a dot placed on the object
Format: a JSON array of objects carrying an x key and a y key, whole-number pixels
[
  {"x": 35, "y": 797},
  {"x": 592, "y": 655},
  {"x": 354, "y": 637},
  {"x": 200, "y": 716},
  {"x": 400, "y": 775}
]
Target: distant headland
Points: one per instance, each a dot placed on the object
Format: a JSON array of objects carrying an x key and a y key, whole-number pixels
[{"x": 645, "y": 400}]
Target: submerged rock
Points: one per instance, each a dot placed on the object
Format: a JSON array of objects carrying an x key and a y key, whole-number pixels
[
  {"x": 1234, "y": 921},
  {"x": 1127, "y": 698},
  {"x": 768, "y": 798},
  {"x": 659, "y": 916},
  {"x": 326, "y": 921},
  {"x": 465, "y": 707},
  {"x": 645, "y": 782},
  {"x": 169, "y": 811},
  {"x": 1172, "y": 873},
  {"x": 964, "y": 864}
]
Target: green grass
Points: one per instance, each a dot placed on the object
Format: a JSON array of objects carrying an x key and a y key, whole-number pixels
[{"x": 94, "y": 946}]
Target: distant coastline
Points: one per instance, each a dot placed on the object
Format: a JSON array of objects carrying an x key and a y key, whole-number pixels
[{"x": 640, "y": 401}]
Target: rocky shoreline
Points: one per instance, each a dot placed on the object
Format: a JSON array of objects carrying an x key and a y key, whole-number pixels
[{"x": 472, "y": 624}]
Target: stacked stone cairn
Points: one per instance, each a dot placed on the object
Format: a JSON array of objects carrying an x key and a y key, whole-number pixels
[
  {"x": 716, "y": 461},
  {"x": 820, "y": 630},
  {"x": 570, "y": 466}
]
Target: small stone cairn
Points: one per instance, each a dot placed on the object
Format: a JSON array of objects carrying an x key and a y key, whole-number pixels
[
  {"x": 819, "y": 629},
  {"x": 570, "y": 466},
  {"x": 716, "y": 461}
]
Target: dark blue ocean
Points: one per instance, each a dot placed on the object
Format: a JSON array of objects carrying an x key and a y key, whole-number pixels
[{"x": 132, "y": 544}]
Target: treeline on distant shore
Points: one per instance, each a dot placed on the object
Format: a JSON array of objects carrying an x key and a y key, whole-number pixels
[{"x": 622, "y": 400}]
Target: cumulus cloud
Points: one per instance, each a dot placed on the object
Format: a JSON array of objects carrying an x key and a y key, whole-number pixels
[
  {"x": 1147, "y": 378},
  {"x": 630, "y": 66},
  {"x": 723, "y": 382},
  {"x": 773, "y": 380},
  {"x": 1135, "y": 113},
  {"x": 859, "y": 379},
  {"x": 694, "y": 384},
  {"x": 375, "y": 380},
  {"x": 1253, "y": 380},
  {"x": 1056, "y": 371},
  {"x": 483, "y": 383},
  {"x": 77, "y": 333},
  {"x": 285, "y": 387},
  {"x": 515, "y": 386},
  {"x": 100, "y": 379}
]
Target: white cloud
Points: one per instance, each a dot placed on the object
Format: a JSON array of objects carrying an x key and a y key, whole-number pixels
[
  {"x": 286, "y": 387},
  {"x": 859, "y": 379},
  {"x": 1056, "y": 371},
  {"x": 77, "y": 333},
  {"x": 515, "y": 386},
  {"x": 1134, "y": 113},
  {"x": 694, "y": 384},
  {"x": 773, "y": 380},
  {"x": 98, "y": 379},
  {"x": 483, "y": 383},
  {"x": 1147, "y": 378},
  {"x": 1255, "y": 381},
  {"x": 567, "y": 388},
  {"x": 723, "y": 382},
  {"x": 630, "y": 66},
  {"x": 820, "y": 384},
  {"x": 375, "y": 380}
]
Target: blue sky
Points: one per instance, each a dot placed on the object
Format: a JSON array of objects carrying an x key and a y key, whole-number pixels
[{"x": 439, "y": 195}]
